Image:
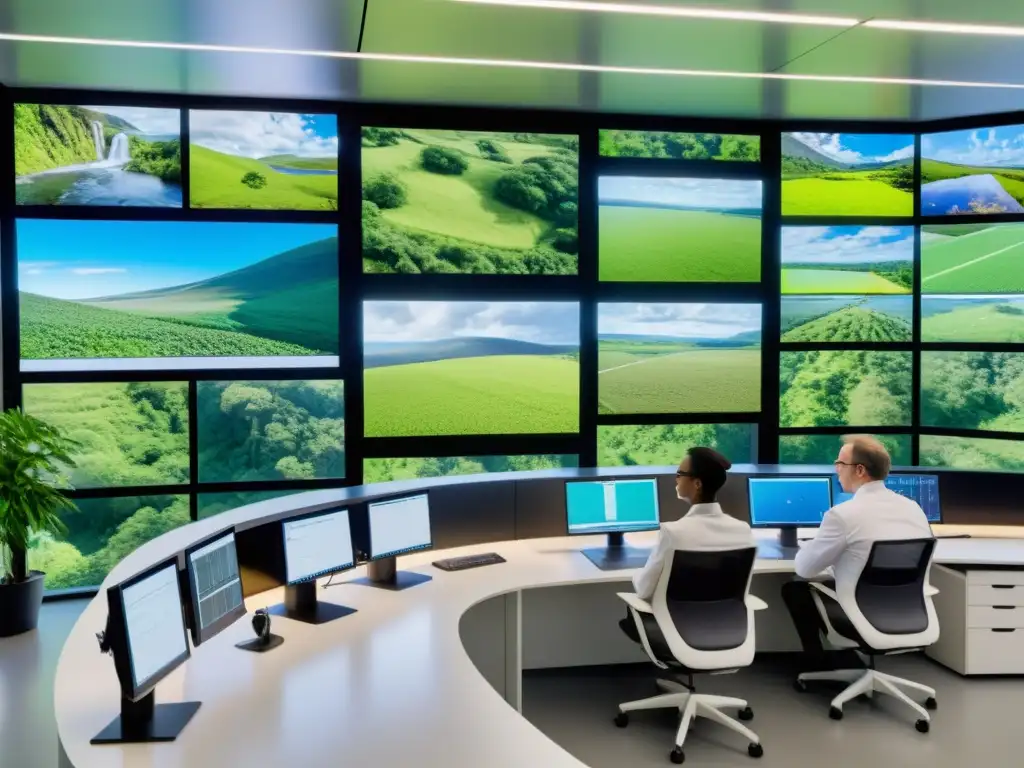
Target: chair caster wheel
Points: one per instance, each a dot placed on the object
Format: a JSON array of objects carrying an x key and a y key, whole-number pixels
[
  {"x": 835, "y": 713},
  {"x": 622, "y": 720},
  {"x": 676, "y": 755},
  {"x": 931, "y": 704},
  {"x": 800, "y": 685},
  {"x": 746, "y": 714},
  {"x": 755, "y": 750},
  {"x": 923, "y": 726}
]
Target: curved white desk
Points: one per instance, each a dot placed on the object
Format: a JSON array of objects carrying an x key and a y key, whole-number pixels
[{"x": 391, "y": 685}]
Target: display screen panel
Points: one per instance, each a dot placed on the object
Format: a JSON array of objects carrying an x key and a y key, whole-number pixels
[
  {"x": 828, "y": 319},
  {"x": 116, "y": 295},
  {"x": 847, "y": 174},
  {"x": 973, "y": 390},
  {"x": 975, "y": 453},
  {"x": 647, "y": 445},
  {"x": 824, "y": 449},
  {"x": 469, "y": 202},
  {"x": 653, "y": 229},
  {"x": 847, "y": 260},
  {"x": 280, "y": 161},
  {"x": 973, "y": 319},
  {"x": 679, "y": 358},
  {"x": 211, "y": 504},
  {"x": 384, "y": 470},
  {"x": 668, "y": 145},
  {"x": 972, "y": 258},
  {"x": 470, "y": 367},
  {"x": 831, "y": 388},
  {"x": 976, "y": 172}
]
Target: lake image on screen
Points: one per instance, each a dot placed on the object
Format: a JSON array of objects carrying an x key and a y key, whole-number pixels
[
  {"x": 847, "y": 174},
  {"x": 469, "y": 202},
  {"x": 263, "y": 160},
  {"x": 679, "y": 358},
  {"x": 836, "y": 260},
  {"x": 470, "y": 368},
  {"x": 973, "y": 172},
  {"x": 107, "y": 295},
  {"x": 972, "y": 318},
  {"x": 116, "y": 156},
  {"x": 675, "y": 230},
  {"x": 847, "y": 318},
  {"x": 972, "y": 258}
]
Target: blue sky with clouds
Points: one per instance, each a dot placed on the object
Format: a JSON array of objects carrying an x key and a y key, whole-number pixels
[
  {"x": 855, "y": 148},
  {"x": 259, "y": 134},
  {"x": 541, "y": 322},
  {"x": 149, "y": 121},
  {"x": 713, "y": 321},
  {"x": 695, "y": 193},
  {"x": 1000, "y": 147},
  {"x": 848, "y": 244}
]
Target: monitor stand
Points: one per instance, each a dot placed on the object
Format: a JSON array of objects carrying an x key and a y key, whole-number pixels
[
  {"x": 784, "y": 547},
  {"x": 300, "y": 604},
  {"x": 616, "y": 556},
  {"x": 384, "y": 574},
  {"x": 144, "y": 721},
  {"x": 787, "y": 538}
]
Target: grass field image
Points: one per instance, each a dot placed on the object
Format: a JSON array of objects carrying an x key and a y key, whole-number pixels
[
  {"x": 469, "y": 202},
  {"x": 972, "y": 453},
  {"x": 676, "y": 230},
  {"x": 470, "y": 368},
  {"x": 657, "y": 445},
  {"x": 972, "y": 258},
  {"x": 966, "y": 318},
  {"x": 263, "y": 160},
  {"x": 678, "y": 358},
  {"x": 181, "y": 292},
  {"x": 847, "y": 174},
  {"x": 679, "y": 146},
  {"x": 823, "y": 449},
  {"x": 844, "y": 388},
  {"x": 841, "y": 260},
  {"x": 974, "y": 172},
  {"x": 847, "y": 318},
  {"x": 118, "y": 156},
  {"x": 973, "y": 390},
  {"x": 383, "y": 470}
]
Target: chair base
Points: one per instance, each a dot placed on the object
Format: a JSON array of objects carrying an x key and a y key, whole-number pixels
[
  {"x": 868, "y": 682},
  {"x": 694, "y": 705}
]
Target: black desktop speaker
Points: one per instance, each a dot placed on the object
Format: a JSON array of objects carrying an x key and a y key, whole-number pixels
[{"x": 264, "y": 640}]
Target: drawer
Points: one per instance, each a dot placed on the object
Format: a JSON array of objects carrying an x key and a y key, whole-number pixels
[
  {"x": 995, "y": 577},
  {"x": 981, "y": 616},
  {"x": 995, "y": 594},
  {"x": 995, "y": 653}
]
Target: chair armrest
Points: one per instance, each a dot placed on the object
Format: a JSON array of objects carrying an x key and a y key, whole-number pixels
[
  {"x": 929, "y": 590},
  {"x": 755, "y": 603},
  {"x": 825, "y": 590},
  {"x": 633, "y": 601}
]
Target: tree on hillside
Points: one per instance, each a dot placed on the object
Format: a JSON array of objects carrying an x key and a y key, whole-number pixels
[
  {"x": 442, "y": 160},
  {"x": 254, "y": 180},
  {"x": 385, "y": 191}
]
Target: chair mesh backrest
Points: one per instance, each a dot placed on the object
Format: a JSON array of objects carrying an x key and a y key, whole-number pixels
[
  {"x": 706, "y": 597},
  {"x": 890, "y": 590}
]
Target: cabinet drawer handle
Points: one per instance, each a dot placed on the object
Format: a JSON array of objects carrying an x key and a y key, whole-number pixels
[
  {"x": 1004, "y": 607},
  {"x": 1003, "y": 586},
  {"x": 1004, "y": 630}
]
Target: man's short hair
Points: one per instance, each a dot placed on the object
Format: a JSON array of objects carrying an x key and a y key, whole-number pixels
[
  {"x": 708, "y": 466},
  {"x": 868, "y": 451}
]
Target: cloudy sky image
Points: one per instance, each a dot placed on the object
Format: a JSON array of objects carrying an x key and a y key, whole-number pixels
[
  {"x": 849, "y": 245},
  {"x": 713, "y": 321},
  {"x": 149, "y": 121},
  {"x": 993, "y": 147},
  {"x": 858, "y": 148},
  {"x": 259, "y": 134},
  {"x": 542, "y": 322},
  {"x": 680, "y": 193}
]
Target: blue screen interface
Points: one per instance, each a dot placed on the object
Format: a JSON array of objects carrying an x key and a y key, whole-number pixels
[
  {"x": 612, "y": 506},
  {"x": 789, "y": 501},
  {"x": 924, "y": 489}
]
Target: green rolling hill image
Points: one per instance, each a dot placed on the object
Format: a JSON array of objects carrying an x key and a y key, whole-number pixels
[
  {"x": 850, "y": 323},
  {"x": 983, "y": 319},
  {"x": 959, "y": 259}
]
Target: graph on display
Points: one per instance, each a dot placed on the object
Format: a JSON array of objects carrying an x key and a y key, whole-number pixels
[{"x": 217, "y": 583}]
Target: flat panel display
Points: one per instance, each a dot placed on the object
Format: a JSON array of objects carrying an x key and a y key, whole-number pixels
[
  {"x": 651, "y": 445},
  {"x": 788, "y": 501},
  {"x": 611, "y": 506},
  {"x": 154, "y": 624},
  {"x": 972, "y": 259},
  {"x": 847, "y": 260},
  {"x": 923, "y": 489},
  {"x": 398, "y": 526},
  {"x": 215, "y": 586},
  {"x": 384, "y": 470},
  {"x": 824, "y": 449},
  {"x": 972, "y": 390},
  {"x": 836, "y": 319},
  {"x": 975, "y": 453},
  {"x": 972, "y": 172},
  {"x": 668, "y": 145},
  {"x": 316, "y": 545}
]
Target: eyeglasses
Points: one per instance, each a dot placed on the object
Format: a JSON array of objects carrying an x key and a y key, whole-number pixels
[
  {"x": 685, "y": 474},
  {"x": 838, "y": 463}
]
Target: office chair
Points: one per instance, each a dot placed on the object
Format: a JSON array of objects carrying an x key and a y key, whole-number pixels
[
  {"x": 890, "y": 612},
  {"x": 701, "y": 619}
]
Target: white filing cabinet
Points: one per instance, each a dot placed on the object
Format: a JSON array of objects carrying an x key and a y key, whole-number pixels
[{"x": 981, "y": 620}]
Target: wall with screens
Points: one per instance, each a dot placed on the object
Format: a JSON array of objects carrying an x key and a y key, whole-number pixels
[{"x": 323, "y": 294}]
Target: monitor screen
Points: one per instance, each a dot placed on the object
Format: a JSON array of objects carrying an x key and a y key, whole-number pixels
[
  {"x": 924, "y": 489},
  {"x": 154, "y": 624},
  {"x": 214, "y": 585},
  {"x": 788, "y": 501},
  {"x": 316, "y": 545},
  {"x": 399, "y": 525},
  {"x": 612, "y": 506}
]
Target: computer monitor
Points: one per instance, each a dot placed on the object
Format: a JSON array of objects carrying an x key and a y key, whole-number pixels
[
  {"x": 214, "y": 587},
  {"x": 613, "y": 507},
  {"x": 147, "y": 636},
  {"x": 397, "y": 526},
  {"x": 924, "y": 489},
  {"x": 788, "y": 503}
]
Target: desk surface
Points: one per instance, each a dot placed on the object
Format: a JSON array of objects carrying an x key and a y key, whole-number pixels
[{"x": 389, "y": 685}]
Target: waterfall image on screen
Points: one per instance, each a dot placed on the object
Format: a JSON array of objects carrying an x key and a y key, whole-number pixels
[
  {"x": 974, "y": 172},
  {"x": 117, "y": 156}
]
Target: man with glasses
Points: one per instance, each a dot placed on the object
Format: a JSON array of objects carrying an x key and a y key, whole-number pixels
[{"x": 846, "y": 534}]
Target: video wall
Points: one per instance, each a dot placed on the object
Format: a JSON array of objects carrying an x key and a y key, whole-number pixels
[{"x": 202, "y": 300}]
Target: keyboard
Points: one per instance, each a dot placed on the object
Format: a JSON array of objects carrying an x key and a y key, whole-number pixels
[{"x": 469, "y": 561}]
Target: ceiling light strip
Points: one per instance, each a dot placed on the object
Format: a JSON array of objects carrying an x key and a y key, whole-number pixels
[{"x": 945, "y": 27}]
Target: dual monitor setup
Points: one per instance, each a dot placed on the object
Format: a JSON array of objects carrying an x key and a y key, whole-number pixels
[
  {"x": 151, "y": 615},
  {"x": 617, "y": 507}
]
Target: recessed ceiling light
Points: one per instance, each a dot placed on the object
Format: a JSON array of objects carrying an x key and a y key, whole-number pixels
[
  {"x": 498, "y": 63},
  {"x": 946, "y": 27}
]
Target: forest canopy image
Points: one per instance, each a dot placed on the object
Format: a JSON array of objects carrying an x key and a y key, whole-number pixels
[
  {"x": 977, "y": 453},
  {"x": 973, "y": 390},
  {"x": 384, "y": 470},
  {"x": 823, "y": 449},
  {"x": 117, "y": 156},
  {"x": 679, "y": 146},
  {"x": 462, "y": 202},
  {"x": 629, "y": 445}
]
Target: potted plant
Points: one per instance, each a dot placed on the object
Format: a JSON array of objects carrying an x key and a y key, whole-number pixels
[{"x": 32, "y": 457}]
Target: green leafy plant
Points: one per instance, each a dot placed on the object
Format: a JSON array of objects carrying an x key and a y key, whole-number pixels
[
  {"x": 254, "y": 180},
  {"x": 33, "y": 455}
]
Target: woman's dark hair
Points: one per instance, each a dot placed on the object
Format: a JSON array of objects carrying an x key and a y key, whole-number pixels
[{"x": 708, "y": 466}]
